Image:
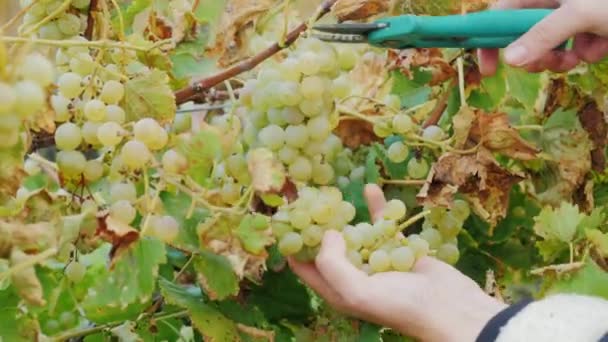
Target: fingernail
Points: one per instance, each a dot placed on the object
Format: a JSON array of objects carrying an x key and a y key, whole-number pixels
[{"x": 516, "y": 55}]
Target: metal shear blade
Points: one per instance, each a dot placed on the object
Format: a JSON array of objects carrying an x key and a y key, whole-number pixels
[{"x": 347, "y": 33}]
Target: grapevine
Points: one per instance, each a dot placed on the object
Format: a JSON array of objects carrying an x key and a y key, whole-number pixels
[{"x": 161, "y": 162}]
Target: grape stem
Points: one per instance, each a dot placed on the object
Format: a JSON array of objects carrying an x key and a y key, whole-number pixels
[
  {"x": 17, "y": 16},
  {"x": 33, "y": 260},
  {"x": 559, "y": 269},
  {"x": 440, "y": 107},
  {"x": 184, "y": 95},
  {"x": 413, "y": 219},
  {"x": 99, "y": 44},
  {"x": 88, "y": 32},
  {"x": 99, "y": 328},
  {"x": 121, "y": 21}
]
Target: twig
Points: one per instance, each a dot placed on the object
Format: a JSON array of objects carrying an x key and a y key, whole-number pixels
[
  {"x": 88, "y": 33},
  {"x": 201, "y": 86},
  {"x": 440, "y": 107},
  {"x": 558, "y": 269}
]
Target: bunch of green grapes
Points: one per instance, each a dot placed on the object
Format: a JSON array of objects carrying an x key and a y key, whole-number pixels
[
  {"x": 68, "y": 23},
  {"x": 441, "y": 228},
  {"x": 380, "y": 247},
  {"x": 23, "y": 94},
  {"x": 290, "y": 108}
]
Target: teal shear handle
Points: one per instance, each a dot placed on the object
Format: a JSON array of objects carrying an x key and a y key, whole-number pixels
[{"x": 487, "y": 29}]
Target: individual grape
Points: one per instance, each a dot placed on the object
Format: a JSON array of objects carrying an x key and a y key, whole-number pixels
[
  {"x": 386, "y": 228},
  {"x": 289, "y": 94},
  {"x": 343, "y": 182},
  {"x": 347, "y": 211},
  {"x": 417, "y": 168},
  {"x": 312, "y": 235},
  {"x": 68, "y": 136},
  {"x": 115, "y": 113},
  {"x": 69, "y": 24},
  {"x": 109, "y": 134},
  {"x": 347, "y": 58},
  {"x": 434, "y": 133},
  {"x": 341, "y": 87},
  {"x": 52, "y": 6},
  {"x": 123, "y": 191},
  {"x": 311, "y": 108},
  {"x": 75, "y": 271},
  {"x": 135, "y": 154},
  {"x": 322, "y": 174},
  {"x": 402, "y": 259},
  {"x": 259, "y": 119},
  {"x": 397, "y": 152},
  {"x": 30, "y": 98},
  {"x": 299, "y": 219},
  {"x": 8, "y": 98},
  {"x": 50, "y": 31},
  {"x": 272, "y": 137},
  {"x": 448, "y": 253},
  {"x": 112, "y": 92},
  {"x": 312, "y": 87},
  {"x": 291, "y": 243},
  {"x": 160, "y": 142},
  {"x": 67, "y": 319},
  {"x": 37, "y": 68},
  {"x": 393, "y": 101},
  {"x": 259, "y": 222},
  {"x": 95, "y": 110},
  {"x": 230, "y": 193},
  {"x": 301, "y": 169},
  {"x": 69, "y": 85},
  {"x": 368, "y": 234},
  {"x": 288, "y": 154},
  {"x": 321, "y": 211},
  {"x": 432, "y": 236},
  {"x": 419, "y": 245},
  {"x": 382, "y": 129},
  {"x": 292, "y": 116},
  {"x": 449, "y": 226},
  {"x": 93, "y": 170},
  {"x": 308, "y": 63},
  {"x": 81, "y": 4},
  {"x": 275, "y": 116},
  {"x": 519, "y": 212},
  {"x": 31, "y": 167},
  {"x": 357, "y": 173},
  {"x": 165, "y": 228},
  {"x": 436, "y": 214},
  {"x": 461, "y": 209},
  {"x": 296, "y": 136},
  {"x": 394, "y": 210},
  {"x": 174, "y": 162},
  {"x": 82, "y": 64},
  {"x": 379, "y": 261},
  {"x": 51, "y": 327},
  {"x": 313, "y": 150},
  {"x": 355, "y": 258},
  {"x": 89, "y": 133},
  {"x": 61, "y": 106},
  {"x": 279, "y": 229},
  {"x": 403, "y": 123},
  {"x": 289, "y": 69},
  {"x": 353, "y": 237},
  {"x": 319, "y": 128}
]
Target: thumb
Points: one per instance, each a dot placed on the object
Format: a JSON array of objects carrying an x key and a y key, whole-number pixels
[
  {"x": 545, "y": 36},
  {"x": 332, "y": 263}
]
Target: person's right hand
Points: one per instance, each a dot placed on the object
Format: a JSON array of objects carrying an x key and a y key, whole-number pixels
[{"x": 585, "y": 20}]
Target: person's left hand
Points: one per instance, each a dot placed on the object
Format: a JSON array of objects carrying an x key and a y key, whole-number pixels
[{"x": 434, "y": 302}]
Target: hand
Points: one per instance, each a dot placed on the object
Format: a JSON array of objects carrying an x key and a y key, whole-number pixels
[
  {"x": 585, "y": 20},
  {"x": 434, "y": 302}
]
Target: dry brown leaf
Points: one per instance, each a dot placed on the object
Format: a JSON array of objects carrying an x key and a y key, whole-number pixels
[
  {"x": 355, "y": 133},
  {"x": 431, "y": 60},
  {"x": 119, "y": 234},
  {"x": 239, "y": 14},
  {"x": 358, "y": 9},
  {"x": 593, "y": 121},
  {"x": 478, "y": 176},
  {"x": 31, "y": 238},
  {"x": 495, "y": 133},
  {"x": 267, "y": 172},
  {"x": 463, "y": 122},
  {"x": 443, "y": 7},
  {"x": 25, "y": 280},
  {"x": 245, "y": 265}
]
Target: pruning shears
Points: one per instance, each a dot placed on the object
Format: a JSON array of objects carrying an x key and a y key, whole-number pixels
[{"x": 485, "y": 29}]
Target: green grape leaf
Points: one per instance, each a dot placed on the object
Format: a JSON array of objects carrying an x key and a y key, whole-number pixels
[
  {"x": 200, "y": 151},
  {"x": 412, "y": 92},
  {"x": 591, "y": 280},
  {"x": 210, "y": 11},
  {"x": 562, "y": 119},
  {"x": 369, "y": 333},
  {"x": 211, "y": 323},
  {"x": 372, "y": 172},
  {"x": 133, "y": 278},
  {"x": 128, "y": 15},
  {"x": 525, "y": 87},
  {"x": 600, "y": 240},
  {"x": 16, "y": 326},
  {"x": 216, "y": 275},
  {"x": 552, "y": 250},
  {"x": 491, "y": 92},
  {"x": 177, "y": 204},
  {"x": 149, "y": 96},
  {"x": 254, "y": 240},
  {"x": 282, "y": 296},
  {"x": 558, "y": 224},
  {"x": 353, "y": 193}
]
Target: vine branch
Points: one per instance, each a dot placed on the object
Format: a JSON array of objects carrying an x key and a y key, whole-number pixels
[
  {"x": 88, "y": 33},
  {"x": 184, "y": 95}
]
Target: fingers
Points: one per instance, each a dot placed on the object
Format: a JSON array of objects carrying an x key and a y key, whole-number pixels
[
  {"x": 338, "y": 271},
  {"x": 375, "y": 201},
  {"x": 311, "y": 276},
  {"x": 590, "y": 48},
  {"x": 549, "y": 33},
  {"x": 488, "y": 62}
]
